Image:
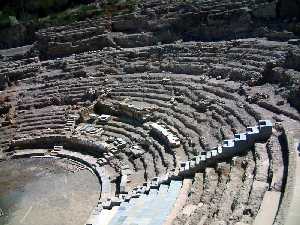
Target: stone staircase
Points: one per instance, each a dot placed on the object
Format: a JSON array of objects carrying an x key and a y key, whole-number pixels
[
  {"x": 150, "y": 205},
  {"x": 240, "y": 144},
  {"x": 140, "y": 205}
]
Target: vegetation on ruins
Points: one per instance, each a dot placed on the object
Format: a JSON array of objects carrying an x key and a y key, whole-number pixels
[
  {"x": 187, "y": 107},
  {"x": 57, "y": 12}
]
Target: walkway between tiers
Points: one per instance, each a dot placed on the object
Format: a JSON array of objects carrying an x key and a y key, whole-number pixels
[
  {"x": 180, "y": 202},
  {"x": 293, "y": 217}
]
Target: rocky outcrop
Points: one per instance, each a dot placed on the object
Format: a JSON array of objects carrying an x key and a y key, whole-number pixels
[{"x": 153, "y": 23}]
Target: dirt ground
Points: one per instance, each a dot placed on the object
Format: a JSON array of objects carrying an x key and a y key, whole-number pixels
[{"x": 46, "y": 191}]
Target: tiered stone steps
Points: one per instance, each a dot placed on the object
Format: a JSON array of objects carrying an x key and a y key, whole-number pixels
[
  {"x": 15, "y": 70},
  {"x": 195, "y": 89},
  {"x": 151, "y": 208},
  {"x": 240, "y": 144},
  {"x": 220, "y": 187},
  {"x": 49, "y": 120},
  {"x": 141, "y": 29}
]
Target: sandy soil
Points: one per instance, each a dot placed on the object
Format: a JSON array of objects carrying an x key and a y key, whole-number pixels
[{"x": 46, "y": 191}]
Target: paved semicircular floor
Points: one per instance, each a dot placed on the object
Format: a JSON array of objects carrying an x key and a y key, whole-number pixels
[{"x": 45, "y": 192}]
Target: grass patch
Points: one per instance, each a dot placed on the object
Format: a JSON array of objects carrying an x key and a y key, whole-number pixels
[
  {"x": 81, "y": 12},
  {"x": 71, "y": 15}
]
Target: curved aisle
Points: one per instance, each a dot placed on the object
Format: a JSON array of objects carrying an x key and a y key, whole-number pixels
[{"x": 293, "y": 216}]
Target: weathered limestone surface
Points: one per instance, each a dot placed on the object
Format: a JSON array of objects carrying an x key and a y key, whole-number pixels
[{"x": 204, "y": 72}]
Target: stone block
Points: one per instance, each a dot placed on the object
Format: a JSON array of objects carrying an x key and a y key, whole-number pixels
[
  {"x": 164, "y": 178},
  {"x": 115, "y": 201},
  {"x": 228, "y": 148},
  {"x": 265, "y": 129},
  {"x": 209, "y": 158},
  {"x": 154, "y": 183},
  {"x": 107, "y": 204},
  {"x": 214, "y": 153},
  {"x": 182, "y": 166},
  {"x": 141, "y": 190},
  {"x": 123, "y": 184},
  {"x": 58, "y": 147},
  {"x": 187, "y": 165},
  {"x": 192, "y": 164},
  {"x": 202, "y": 156},
  {"x": 193, "y": 158},
  {"x": 219, "y": 149},
  {"x": 135, "y": 195},
  {"x": 128, "y": 197},
  {"x": 241, "y": 143},
  {"x": 252, "y": 134},
  {"x": 146, "y": 185}
]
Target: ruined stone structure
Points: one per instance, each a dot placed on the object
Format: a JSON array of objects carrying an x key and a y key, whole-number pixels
[{"x": 184, "y": 111}]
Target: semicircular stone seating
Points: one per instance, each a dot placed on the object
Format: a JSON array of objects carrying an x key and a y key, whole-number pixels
[
  {"x": 148, "y": 129},
  {"x": 177, "y": 131}
]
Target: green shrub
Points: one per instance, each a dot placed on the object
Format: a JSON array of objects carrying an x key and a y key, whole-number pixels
[
  {"x": 45, "y": 13},
  {"x": 44, "y": 7},
  {"x": 13, "y": 20},
  {"x": 71, "y": 15},
  {"x": 7, "y": 20}
]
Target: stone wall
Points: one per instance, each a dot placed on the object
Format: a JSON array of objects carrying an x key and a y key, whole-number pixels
[{"x": 290, "y": 179}]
